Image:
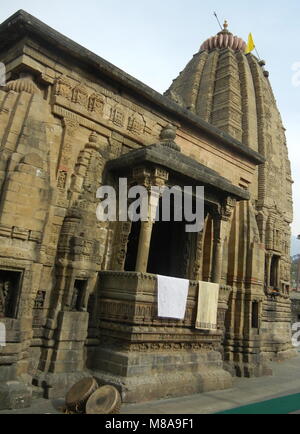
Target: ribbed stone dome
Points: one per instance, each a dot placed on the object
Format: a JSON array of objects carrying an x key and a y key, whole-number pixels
[{"x": 224, "y": 39}]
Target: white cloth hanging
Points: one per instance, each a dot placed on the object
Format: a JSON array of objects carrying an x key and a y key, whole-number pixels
[{"x": 172, "y": 297}]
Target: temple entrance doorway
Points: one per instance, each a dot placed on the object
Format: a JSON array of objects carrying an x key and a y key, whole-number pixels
[{"x": 168, "y": 249}]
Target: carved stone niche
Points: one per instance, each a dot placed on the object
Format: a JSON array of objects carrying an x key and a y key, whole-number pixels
[
  {"x": 10, "y": 283},
  {"x": 62, "y": 179},
  {"x": 136, "y": 124},
  {"x": 40, "y": 300},
  {"x": 96, "y": 103},
  {"x": 117, "y": 116},
  {"x": 80, "y": 96},
  {"x": 63, "y": 88}
]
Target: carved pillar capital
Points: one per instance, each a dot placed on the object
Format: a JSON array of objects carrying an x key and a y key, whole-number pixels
[
  {"x": 227, "y": 208},
  {"x": 150, "y": 177},
  {"x": 71, "y": 125}
]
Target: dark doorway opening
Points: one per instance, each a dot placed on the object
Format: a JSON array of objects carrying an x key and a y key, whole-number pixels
[
  {"x": 9, "y": 293},
  {"x": 170, "y": 243},
  {"x": 168, "y": 249},
  {"x": 132, "y": 247},
  {"x": 79, "y": 295}
]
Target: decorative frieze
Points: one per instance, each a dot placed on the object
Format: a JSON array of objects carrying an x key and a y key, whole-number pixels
[
  {"x": 20, "y": 233},
  {"x": 90, "y": 104}
]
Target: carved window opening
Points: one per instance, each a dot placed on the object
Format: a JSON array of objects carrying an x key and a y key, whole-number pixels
[
  {"x": 274, "y": 272},
  {"x": 78, "y": 298},
  {"x": 255, "y": 315},
  {"x": 10, "y": 282},
  {"x": 266, "y": 272}
]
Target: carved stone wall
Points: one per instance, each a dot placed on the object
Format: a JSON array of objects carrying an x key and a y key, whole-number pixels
[{"x": 61, "y": 120}]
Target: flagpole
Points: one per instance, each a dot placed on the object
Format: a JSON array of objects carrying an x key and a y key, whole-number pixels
[
  {"x": 215, "y": 14},
  {"x": 257, "y": 53}
]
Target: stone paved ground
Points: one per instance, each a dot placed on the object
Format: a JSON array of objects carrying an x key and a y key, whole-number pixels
[{"x": 286, "y": 381}]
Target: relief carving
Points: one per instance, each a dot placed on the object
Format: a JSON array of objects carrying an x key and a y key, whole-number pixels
[
  {"x": 96, "y": 103},
  {"x": 40, "y": 300},
  {"x": 80, "y": 96},
  {"x": 62, "y": 179},
  {"x": 63, "y": 88},
  {"x": 136, "y": 124},
  {"x": 117, "y": 116}
]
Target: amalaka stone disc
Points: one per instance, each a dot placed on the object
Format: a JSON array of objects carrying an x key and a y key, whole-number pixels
[
  {"x": 79, "y": 394},
  {"x": 106, "y": 400}
]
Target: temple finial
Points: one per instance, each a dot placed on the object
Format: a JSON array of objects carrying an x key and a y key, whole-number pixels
[{"x": 225, "y": 25}]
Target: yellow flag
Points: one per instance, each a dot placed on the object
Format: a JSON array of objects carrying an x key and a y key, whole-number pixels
[{"x": 251, "y": 44}]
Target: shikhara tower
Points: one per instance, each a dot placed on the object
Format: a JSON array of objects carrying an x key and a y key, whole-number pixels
[{"x": 231, "y": 90}]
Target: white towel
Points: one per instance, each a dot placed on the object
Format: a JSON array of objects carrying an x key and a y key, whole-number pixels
[
  {"x": 172, "y": 297},
  {"x": 207, "y": 306}
]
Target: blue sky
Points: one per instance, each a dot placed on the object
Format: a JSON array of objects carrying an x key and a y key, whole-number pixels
[{"x": 154, "y": 40}]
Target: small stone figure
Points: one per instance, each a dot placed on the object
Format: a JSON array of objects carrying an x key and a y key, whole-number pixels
[
  {"x": 77, "y": 303},
  {"x": 39, "y": 301},
  {"x": 74, "y": 301},
  {"x": 5, "y": 296}
]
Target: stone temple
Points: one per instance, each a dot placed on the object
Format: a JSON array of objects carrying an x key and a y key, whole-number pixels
[{"x": 78, "y": 297}]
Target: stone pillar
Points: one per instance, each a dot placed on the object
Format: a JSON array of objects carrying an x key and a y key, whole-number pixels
[
  {"x": 221, "y": 229},
  {"x": 144, "y": 246},
  {"x": 154, "y": 180},
  {"x": 218, "y": 256},
  {"x": 218, "y": 249}
]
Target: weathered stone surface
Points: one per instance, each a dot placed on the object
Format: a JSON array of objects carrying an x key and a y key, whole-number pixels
[
  {"x": 14, "y": 395},
  {"x": 144, "y": 377},
  {"x": 66, "y": 129}
]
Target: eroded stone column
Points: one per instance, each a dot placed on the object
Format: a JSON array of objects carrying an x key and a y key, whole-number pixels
[
  {"x": 144, "y": 246},
  {"x": 221, "y": 229},
  {"x": 154, "y": 180}
]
